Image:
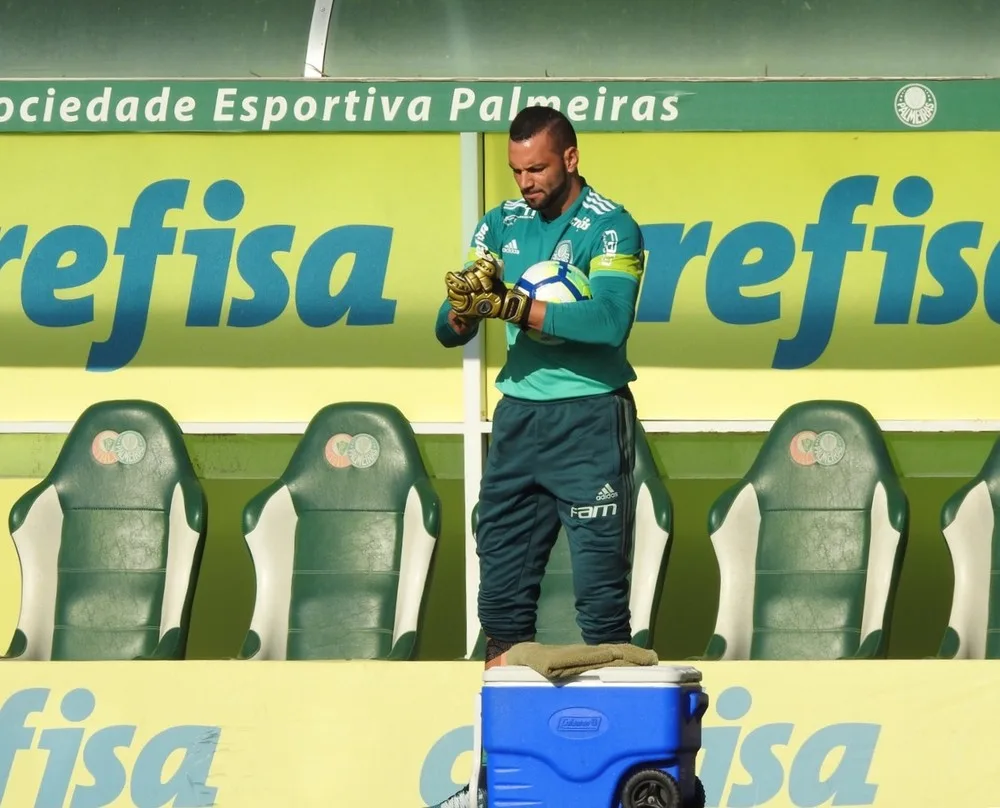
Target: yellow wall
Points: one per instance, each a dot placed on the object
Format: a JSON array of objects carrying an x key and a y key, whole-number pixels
[
  {"x": 781, "y": 735},
  {"x": 282, "y": 370},
  {"x": 936, "y": 362},
  {"x": 910, "y": 335}
]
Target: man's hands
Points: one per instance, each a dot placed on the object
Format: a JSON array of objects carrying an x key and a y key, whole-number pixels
[{"x": 479, "y": 291}]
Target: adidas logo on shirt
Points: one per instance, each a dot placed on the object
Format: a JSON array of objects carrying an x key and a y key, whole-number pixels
[
  {"x": 511, "y": 248},
  {"x": 606, "y": 493}
]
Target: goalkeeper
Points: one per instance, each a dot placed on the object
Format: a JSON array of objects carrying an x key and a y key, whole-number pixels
[{"x": 562, "y": 449}]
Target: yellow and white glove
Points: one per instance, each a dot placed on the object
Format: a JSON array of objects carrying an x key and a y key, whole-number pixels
[{"x": 479, "y": 291}]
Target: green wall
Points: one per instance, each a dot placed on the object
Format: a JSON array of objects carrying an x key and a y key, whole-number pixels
[
  {"x": 521, "y": 38},
  {"x": 118, "y": 38},
  {"x": 696, "y": 468},
  {"x": 664, "y": 38}
]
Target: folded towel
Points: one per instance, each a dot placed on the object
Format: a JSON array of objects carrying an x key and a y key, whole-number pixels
[{"x": 564, "y": 661}]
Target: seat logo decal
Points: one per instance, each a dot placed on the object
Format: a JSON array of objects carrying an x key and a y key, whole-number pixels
[{"x": 824, "y": 448}]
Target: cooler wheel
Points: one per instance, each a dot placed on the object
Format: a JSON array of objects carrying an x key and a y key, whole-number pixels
[
  {"x": 698, "y": 800},
  {"x": 651, "y": 788}
]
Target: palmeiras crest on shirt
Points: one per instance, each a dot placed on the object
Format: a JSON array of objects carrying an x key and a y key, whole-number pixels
[{"x": 563, "y": 252}]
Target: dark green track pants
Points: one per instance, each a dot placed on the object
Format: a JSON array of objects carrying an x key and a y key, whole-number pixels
[{"x": 568, "y": 461}]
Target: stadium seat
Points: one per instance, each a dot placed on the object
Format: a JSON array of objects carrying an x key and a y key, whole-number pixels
[
  {"x": 110, "y": 542},
  {"x": 556, "y": 621},
  {"x": 969, "y": 524},
  {"x": 343, "y": 541},
  {"x": 810, "y": 542}
]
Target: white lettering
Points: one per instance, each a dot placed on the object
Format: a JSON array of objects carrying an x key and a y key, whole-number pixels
[
  {"x": 515, "y": 102},
  {"x": 223, "y": 101},
  {"x": 593, "y": 511},
  {"x": 419, "y": 108},
  {"x": 275, "y": 110},
  {"x": 127, "y": 110},
  {"x": 599, "y": 112},
  {"x": 543, "y": 101},
  {"x": 27, "y": 104},
  {"x": 389, "y": 111},
  {"x": 49, "y": 103},
  {"x": 67, "y": 109},
  {"x": 156, "y": 107},
  {"x": 352, "y": 101},
  {"x": 491, "y": 109},
  {"x": 183, "y": 108},
  {"x": 669, "y": 108},
  {"x": 305, "y": 108},
  {"x": 97, "y": 109},
  {"x": 462, "y": 98},
  {"x": 642, "y": 108},
  {"x": 577, "y": 108},
  {"x": 249, "y": 106}
]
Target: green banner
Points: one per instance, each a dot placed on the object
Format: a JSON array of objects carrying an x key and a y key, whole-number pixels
[{"x": 309, "y": 105}]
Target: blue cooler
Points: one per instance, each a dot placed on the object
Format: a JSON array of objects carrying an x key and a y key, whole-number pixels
[{"x": 625, "y": 736}]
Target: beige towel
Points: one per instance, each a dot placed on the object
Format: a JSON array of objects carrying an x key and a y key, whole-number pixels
[{"x": 564, "y": 661}]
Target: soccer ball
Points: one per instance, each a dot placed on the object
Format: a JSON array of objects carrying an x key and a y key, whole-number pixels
[{"x": 553, "y": 282}]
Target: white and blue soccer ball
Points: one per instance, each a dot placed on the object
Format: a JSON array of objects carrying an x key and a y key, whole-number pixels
[{"x": 554, "y": 282}]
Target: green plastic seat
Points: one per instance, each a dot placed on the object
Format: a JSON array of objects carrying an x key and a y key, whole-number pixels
[
  {"x": 342, "y": 543},
  {"x": 810, "y": 542},
  {"x": 110, "y": 542},
  {"x": 556, "y": 617},
  {"x": 969, "y": 523}
]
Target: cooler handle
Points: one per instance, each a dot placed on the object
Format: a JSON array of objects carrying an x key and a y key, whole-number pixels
[{"x": 697, "y": 704}]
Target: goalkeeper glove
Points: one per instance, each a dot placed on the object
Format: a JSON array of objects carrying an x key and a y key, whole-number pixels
[{"x": 479, "y": 291}]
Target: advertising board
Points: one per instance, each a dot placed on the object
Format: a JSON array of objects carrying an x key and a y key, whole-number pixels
[
  {"x": 781, "y": 735},
  {"x": 231, "y": 278},
  {"x": 786, "y": 266}
]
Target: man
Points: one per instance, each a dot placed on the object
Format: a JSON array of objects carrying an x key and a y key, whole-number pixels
[{"x": 563, "y": 432}]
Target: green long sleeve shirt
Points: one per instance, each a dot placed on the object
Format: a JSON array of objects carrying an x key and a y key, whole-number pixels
[{"x": 602, "y": 239}]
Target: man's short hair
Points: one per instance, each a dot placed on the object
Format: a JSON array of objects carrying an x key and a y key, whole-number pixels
[{"x": 532, "y": 120}]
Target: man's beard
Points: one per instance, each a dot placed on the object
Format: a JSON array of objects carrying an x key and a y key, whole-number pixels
[{"x": 552, "y": 198}]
